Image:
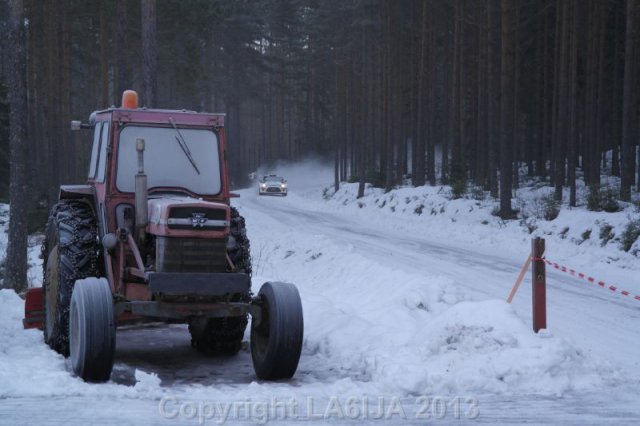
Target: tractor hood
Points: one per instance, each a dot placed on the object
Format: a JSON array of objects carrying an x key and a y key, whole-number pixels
[{"x": 177, "y": 216}]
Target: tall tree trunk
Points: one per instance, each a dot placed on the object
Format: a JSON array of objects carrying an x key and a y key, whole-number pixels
[
  {"x": 617, "y": 94},
  {"x": 339, "y": 136},
  {"x": 149, "y": 53},
  {"x": 52, "y": 117},
  {"x": 506, "y": 110},
  {"x": 548, "y": 101},
  {"x": 561, "y": 109},
  {"x": 599, "y": 112},
  {"x": 638, "y": 168},
  {"x": 458, "y": 166},
  {"x": 557, "y": 48},
  {"x": 493, "y": 89},
  {"x": 104, "y": 56},
  {"x": 16, "y": 260},
  {"x": 431, "y": 110},
  {"x": 537, "y": 147},
  {"x": 363, "y": 114},
  {"x": 35, "y": 84},
  {"x": 573, "y": 86},
  {"x": 121, "y": 51},
  {"x": 516, "y": 100},
  {"x": 66, "y": 145},
  {"x": 627, "y": 156},
  {"x": 390, "y": 59},
  {"x": 419, "y": 145},
  {"x": 454, "y": 101},
  {"x": 593, "y": 97},
  {"x": 482, "y": 156}
]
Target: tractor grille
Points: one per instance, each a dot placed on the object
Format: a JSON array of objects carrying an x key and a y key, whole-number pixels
[
  {"x": 183, "y": 218},
  {"x": 191, "y": 254}
]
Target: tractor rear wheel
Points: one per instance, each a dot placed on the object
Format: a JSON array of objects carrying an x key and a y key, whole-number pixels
[
  {"x": 277, "y": 333},
  {"x": 50, "y": 287},
  {"x": 223, "y": 336},
  {"x": 92, "y": 330},
  {"x": 69, "y": 253},
  {"x": 238, "y": 248},
  {"x": 218, "y": 336}
]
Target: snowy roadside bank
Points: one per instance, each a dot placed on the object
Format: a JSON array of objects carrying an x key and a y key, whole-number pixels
[{"x": 590, "y": 242}]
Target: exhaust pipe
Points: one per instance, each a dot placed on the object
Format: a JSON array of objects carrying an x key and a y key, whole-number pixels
[{"x": 142, "y": 216}]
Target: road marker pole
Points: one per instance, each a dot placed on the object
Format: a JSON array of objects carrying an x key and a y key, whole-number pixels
[{"x": 539, "y": 284}]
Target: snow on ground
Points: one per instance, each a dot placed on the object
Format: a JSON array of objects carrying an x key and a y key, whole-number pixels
[
  {"x": 584, "y": 240},
  {"x": 575, "y": 238},
  {"x": 28, "y": 368},
  {"x": 381, "y": 328},
  {"x": 587, "y": 239},
  {"x": 414, "y": 334}
]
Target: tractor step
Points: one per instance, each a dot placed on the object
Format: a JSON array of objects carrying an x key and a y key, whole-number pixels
[{"x": 33, "y": 309}]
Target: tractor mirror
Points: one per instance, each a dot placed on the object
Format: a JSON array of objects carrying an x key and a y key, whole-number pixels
[{"x": 77, "y": 125}]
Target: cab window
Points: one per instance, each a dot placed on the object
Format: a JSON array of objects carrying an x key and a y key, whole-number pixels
[{"x": 97, "y": 131}]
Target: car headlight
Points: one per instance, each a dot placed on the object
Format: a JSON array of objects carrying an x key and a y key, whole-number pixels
[{"x": 263, "y": 185}]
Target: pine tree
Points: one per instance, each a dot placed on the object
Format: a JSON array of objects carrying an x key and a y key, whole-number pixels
[{"x": 16, "y": 261}]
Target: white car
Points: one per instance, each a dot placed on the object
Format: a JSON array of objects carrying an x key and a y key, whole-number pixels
[{"x": 272, "y": 185}]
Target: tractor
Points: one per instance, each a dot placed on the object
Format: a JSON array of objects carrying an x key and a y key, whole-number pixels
[{"x": 152, "y": 237}]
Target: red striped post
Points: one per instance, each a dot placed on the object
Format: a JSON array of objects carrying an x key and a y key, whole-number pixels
[{"x": 539, "y": 285}]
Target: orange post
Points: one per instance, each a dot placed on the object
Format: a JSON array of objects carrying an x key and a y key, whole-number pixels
[{"x": 539, "y": 285}]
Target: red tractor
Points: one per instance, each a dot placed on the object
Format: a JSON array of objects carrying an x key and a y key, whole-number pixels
[{"x": 150, "y": 237}]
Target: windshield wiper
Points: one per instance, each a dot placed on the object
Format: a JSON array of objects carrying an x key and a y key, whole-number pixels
[{"x": 183, "y": 145}]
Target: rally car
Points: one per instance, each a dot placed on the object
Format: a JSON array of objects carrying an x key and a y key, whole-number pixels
[{"x": 272, "y": 185}]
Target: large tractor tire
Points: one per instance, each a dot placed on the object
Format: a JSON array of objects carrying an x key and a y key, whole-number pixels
[
  {"x": 223, "y": 336},
  {"x": 277, "y": 333},
  {"x": 69, "y": 253},
  {"x": 238, "y": 248},
  {"x": 92, "y": 330},
  {"x": 218, "y": 336}
]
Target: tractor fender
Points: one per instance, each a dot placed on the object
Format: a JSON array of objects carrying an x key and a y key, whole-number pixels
[
  {"x": 74, "y": 192},
  {"x": 86, "y": 193}
]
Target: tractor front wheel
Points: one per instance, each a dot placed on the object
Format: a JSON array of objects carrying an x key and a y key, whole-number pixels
[
  {"x": 277, "y": 332},
  {"x": 92, "y": 331}
]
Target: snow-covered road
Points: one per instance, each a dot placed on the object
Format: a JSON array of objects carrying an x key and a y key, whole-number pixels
[{"x": 401, "y": 325}]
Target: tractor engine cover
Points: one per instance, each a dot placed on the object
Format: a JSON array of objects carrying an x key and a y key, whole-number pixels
[{"x": 191, "y": 234}]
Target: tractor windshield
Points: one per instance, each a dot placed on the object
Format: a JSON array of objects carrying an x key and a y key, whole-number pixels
[{"x": 165, "y": 162}]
